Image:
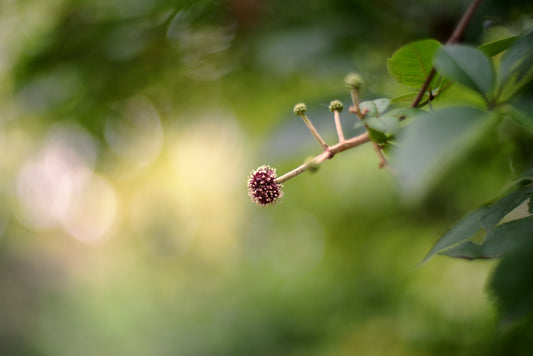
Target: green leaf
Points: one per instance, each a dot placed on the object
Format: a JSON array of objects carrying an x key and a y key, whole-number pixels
[
  {"x": 377, "y": 136},
  {"x": 407, "y": 98},
  {"x": 518, "y": 60},
  {"x": 466, "y": 65},
  {"x": 411, "y": 64},
  {"x": 386, "y": 124},
  {"x": 493, "y": 48},
  {"x": 432, "y": 141},
  {"x": 497, "y": 243},
  {"x": 504, "y": 206},
  {"x": 375, "y": 107},
  {"x": 467, "y": 250},
  {"x": 511, "y": 285},
  {"x": 520, "y": 117},
  {"x": 461, "y": 231}
]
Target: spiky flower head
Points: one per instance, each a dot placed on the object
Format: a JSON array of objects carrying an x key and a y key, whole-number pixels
[
  {"x": 300, "y": 109},
  {"x": 336, "y": 105},
  {"x": 262, "y": 186},
  {"x": 353, "y": 81}
]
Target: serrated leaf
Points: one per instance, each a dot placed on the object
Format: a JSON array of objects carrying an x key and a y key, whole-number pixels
[
  {"x": 461, "y": 231},
  {"x": 466, "y": 65},
  {"x": 511, "y": 285},
  {"x": 432, "y": 141},
  {"x": 495, "y": 47},
  {"x": 375, "y": 107},
  {"x": 411, "y": 64},
  {"x": 497, "y": 211}
]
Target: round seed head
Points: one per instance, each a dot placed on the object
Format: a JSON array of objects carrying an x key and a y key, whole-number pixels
[
  {"x": 300, "y": 109},
  {"x": 262, "y": 186},
  {"x": 353, "y": 81},
  {"x": 336, "y": 105}
]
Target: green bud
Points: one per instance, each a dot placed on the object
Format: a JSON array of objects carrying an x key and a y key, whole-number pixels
[
  {"x": 300, "y": 109},
  {"x": 336, "y": 105},
  {"x": 353, "y": 81},
  {"x": 313, "y": 166}
]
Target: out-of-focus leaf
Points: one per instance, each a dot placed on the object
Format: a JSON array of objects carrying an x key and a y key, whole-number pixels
[
  {"x": 504, "y": 206},
  {"x": 387, "y": 124},
  {"x": 466, "y": 65},
  {"x": 495, "y": 47},
  {"x": 511, "y": 285},
  {"x": 498, "y": 242},
  {"x": 409, "y": 97},
  {"x": 461, "y": 231},
  {"x": 431, "y": 141},
  {"x": 377, "y": 136},
  {"x": 411, "y": 64},
  {"x": 375, "y": 107},
  {"x": 518, "y": 59},
  {"x": 520, "y": 117}
]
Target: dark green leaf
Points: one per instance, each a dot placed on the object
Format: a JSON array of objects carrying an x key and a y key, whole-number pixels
[
  {"x": 498, "y": 242},
  {"x": 432, "y": 141},
  {"x": 467, "y": 250},
  {"x": 466, "y": 65},
  {"x": 507, "y": 236},
  {"x": 504, "y": 206},
  {"x": 411, "y": 64},
  {"x": 496, "y": 47},
  {"x": 461, "y": 231},
  {"x": 511, "y": 285}
]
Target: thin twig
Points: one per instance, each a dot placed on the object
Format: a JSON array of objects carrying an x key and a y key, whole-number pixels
[
  {"x": 338, "y": 126},
  {"x": 315, "y": 133},
  {"x": 455, "y": 37}
]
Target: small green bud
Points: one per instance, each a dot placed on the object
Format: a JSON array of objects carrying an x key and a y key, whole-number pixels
[
  {"x": 353, "y": 81},
  {"x": 336, "y": 105},
  {"x": 313, "y": 166},
  {"x": 300, "y": 109}
]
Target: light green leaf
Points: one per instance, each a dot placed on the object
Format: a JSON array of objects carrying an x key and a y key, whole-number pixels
[
  {"x": 387, "y": 124},
  {"x": 411, "y": 64},
  {"x": 493, "y": 48},
  {"x": 375, "y": 107},
  {"x": 461, "y": 231},
  {"x": 466, "y": 65},
  {"x": 431, "y": 142}
]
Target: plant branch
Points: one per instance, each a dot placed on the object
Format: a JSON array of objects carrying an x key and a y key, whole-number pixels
[
  {"x": 455, "y": 37},
  {"x": 314, "y": 132},
  {"x": 344, "y": 144},
  {"x": 327, "y": 154}
]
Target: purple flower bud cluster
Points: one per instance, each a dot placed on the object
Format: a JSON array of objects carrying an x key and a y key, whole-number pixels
[{"x": 262, "y": 186}]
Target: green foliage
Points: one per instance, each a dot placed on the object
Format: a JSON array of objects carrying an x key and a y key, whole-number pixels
[
  {"x": 468, "y": 66},
  {"x": 434, "y": 139},
  {"x": 411, "y": 64}
]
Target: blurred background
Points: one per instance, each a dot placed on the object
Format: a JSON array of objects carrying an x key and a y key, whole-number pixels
[{"x": 127, "y": 131}]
